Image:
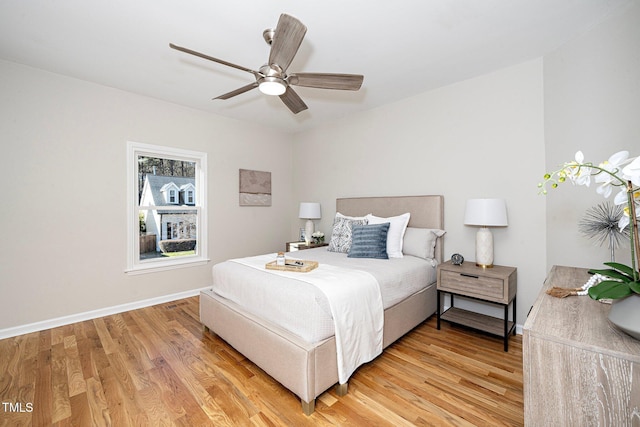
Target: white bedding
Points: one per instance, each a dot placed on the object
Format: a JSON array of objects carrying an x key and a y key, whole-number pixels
[
  {"x": 356, "y": 309},
  {"x": 302, "y": 308}
]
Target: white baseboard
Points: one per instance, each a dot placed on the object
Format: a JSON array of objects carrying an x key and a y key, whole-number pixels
[
  {"x": 81, "y": 317},
  {"x": 94, "y": 314}
]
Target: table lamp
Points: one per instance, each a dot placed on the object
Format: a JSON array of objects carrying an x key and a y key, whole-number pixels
[
  {"x": 309, "y": 211},
  {"x": 485, "y": 213}
]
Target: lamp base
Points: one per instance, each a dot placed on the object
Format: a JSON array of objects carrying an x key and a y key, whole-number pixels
[
  {"x": 484, "y": 248},
  {"x": 484, "y": 265},
  {"x": 308, "y": 231}
]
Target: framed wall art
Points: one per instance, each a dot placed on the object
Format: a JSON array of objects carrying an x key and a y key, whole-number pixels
[{"x": 255, "y": 188}]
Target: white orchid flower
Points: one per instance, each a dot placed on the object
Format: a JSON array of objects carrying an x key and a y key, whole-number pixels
[
  {"x": 624, "y": 219},
  {"x": 631, "y": 172},
  {"x": 612, "y": 165},
  {"x": 576, "y": 172},
  {"x": 604, "y": 188},
  {"x": 622, "y": 199}
]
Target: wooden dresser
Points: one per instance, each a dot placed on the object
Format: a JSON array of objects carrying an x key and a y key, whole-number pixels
[{"x": 579, "y": 370}]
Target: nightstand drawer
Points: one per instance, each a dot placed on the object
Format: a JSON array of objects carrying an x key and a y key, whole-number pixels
[{"x": 472, "y": 285}]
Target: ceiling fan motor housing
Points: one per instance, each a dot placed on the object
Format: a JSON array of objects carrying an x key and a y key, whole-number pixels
[{"x": 273, "y": 80}]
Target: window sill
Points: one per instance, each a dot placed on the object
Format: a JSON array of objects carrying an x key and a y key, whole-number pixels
[{"x": 157, "y": 267}]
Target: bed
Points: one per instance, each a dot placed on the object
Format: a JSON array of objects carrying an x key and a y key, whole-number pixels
[{"x": 305, "y": 360}]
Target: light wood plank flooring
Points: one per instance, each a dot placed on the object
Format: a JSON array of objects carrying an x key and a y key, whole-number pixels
[{"x": 156, "y": 366}]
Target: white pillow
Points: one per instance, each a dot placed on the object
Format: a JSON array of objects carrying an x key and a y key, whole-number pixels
[
  {"x": 396, "y": 232},
  {"x": 421, "y": 242}
]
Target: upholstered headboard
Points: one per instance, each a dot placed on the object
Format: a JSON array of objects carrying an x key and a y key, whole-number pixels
[{"x": 426, "y": 211}]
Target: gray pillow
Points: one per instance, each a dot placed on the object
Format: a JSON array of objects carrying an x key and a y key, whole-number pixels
[
  {"x": 421, "y": 242},
  {"x": 369, "y": 241},
  {"x": 341, "y": 233}
]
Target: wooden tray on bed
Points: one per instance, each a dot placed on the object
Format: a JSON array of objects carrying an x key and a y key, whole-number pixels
[{"x": 305, "y": 267}]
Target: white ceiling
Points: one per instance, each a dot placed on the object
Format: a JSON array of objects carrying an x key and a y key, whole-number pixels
[{"x": 402, "y": 47}]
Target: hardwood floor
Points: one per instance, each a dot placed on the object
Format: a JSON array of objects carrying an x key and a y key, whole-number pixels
[{"x": 156, "y": 366}]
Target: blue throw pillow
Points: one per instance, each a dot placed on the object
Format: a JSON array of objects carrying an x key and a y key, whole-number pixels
[{"x": 369, "y": 241}]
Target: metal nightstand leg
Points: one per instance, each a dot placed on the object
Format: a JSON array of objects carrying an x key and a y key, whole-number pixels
[
  {"x": 506, "y": 327},
  {"x": 508, "y": 331},
  {"x": 438, "y": 311}
]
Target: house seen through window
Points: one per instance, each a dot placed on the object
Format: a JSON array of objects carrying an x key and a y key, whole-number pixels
[{"x": 168, "y": 205}]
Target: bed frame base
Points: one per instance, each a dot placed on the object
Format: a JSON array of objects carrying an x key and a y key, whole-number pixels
[
  {"x": 307, "y": 407},
  {"x": 305, "y": 369}
]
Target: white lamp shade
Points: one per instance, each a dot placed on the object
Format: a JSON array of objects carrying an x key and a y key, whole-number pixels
[
  {"x": 309, "y": 210},
  {"x": 486, "y": 213}
]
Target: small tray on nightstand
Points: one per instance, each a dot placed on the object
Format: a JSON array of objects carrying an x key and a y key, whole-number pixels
[{"x": 305, "y": 267}]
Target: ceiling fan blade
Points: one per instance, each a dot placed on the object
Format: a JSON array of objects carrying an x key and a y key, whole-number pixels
[
  {"x": 238, "y": 91},
  {"x": 327, "y": 80},
  {"x": 293, "y": 101},
  {"x": 286, "y": 41},
  {"x": 211, "y": 58}
]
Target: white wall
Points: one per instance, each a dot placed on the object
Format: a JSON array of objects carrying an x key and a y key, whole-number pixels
[
  {"x": 592, "y": 103},
  {"x": 63, "y": 170},
  {"x": 63, "y": 209},
  {"x": 479, "y": 138}
]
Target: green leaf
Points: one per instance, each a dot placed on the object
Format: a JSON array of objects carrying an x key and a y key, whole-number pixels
[
  {"x": 635, "y": 287},
  {"x": 613, "y": 274},
  {"x": 621, "y": 267},
  {"x": 610, "y": 289}
]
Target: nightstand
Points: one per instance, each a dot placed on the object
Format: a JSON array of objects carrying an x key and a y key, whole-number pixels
[
  {"x": 299, "y": 246},
  {"x": 495, "y": 285}
]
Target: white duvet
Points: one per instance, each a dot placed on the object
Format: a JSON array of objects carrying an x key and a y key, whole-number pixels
[{"x": 356, "y": 309}]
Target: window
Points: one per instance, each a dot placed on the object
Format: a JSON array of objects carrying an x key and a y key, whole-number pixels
[
  {"x": 188, "y": 194},
  {"x": 166, "y": 208},
  {"x": 169, "y": 190}
]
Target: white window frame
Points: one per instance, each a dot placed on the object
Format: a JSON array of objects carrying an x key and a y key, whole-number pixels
[{"x": 134, "y": 264}]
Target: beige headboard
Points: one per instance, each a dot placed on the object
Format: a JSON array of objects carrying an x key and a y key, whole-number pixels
[{"x": 426, "y": 211}]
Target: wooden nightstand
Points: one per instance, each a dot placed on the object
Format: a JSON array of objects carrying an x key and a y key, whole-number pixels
[
  {"x": 299, "y": 246},
  {"x": 496, "y": 285}
]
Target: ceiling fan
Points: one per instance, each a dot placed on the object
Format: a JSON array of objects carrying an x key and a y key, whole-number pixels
[{"x": 272, "y": 77}]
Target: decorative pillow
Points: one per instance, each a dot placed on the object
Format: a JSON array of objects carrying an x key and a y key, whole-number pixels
[
  {"x": 396, "y": 232},
  {"x": 341, "y": 233},
  {"x": 421, "y": 242},
  {"x": 369, "y": 241}
]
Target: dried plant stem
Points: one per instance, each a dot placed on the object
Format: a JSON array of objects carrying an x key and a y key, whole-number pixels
[{"x": 563, "y": 292}]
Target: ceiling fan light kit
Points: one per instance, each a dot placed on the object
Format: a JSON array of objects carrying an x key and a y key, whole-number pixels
[
  {"x": 272, "y": 79},
  {"x": 272, "y": 87},
  {"x": 272, "y": 82}
]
